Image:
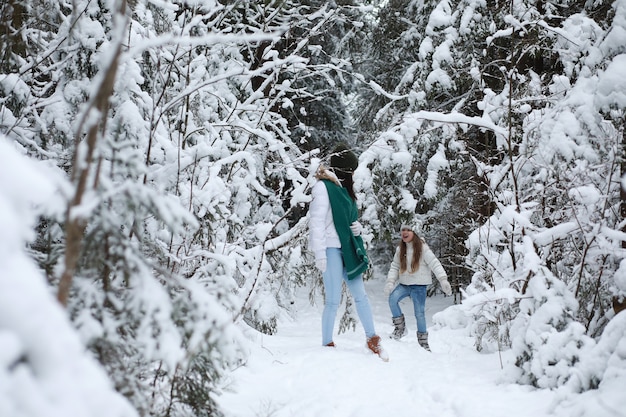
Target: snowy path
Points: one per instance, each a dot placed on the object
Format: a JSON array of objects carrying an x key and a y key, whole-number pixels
[{"x": 290, "y": 374}]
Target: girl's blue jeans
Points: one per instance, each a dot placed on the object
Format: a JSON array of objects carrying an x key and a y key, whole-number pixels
[
  {"x": 334, "y": 276},
  {"x": 418, "y": 295}
]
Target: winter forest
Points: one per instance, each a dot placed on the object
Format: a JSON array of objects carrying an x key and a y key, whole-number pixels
[{"x": 156, "y": 159}]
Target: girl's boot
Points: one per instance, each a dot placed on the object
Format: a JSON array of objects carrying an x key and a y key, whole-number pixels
[
  {"x": 399, "y": 327},
  {"x": 422, "y": 339}
]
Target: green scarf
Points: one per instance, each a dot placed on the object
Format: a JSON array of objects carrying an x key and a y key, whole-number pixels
[{"x": 345, "y": 213}]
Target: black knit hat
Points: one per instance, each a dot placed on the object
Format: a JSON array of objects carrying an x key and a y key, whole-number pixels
[{"x": 343, "y": 159}]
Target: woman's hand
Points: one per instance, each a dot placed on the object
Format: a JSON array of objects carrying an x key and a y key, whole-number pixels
[
  {"x": 356, "y": 228},
  {"x": 321, "y": 264}
]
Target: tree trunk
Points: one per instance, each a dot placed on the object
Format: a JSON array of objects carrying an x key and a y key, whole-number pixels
[{"x": 75, "y": 225}]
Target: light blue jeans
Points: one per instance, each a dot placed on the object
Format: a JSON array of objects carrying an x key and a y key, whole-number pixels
[
  {"x": 334, "y": 276},
  {"x": 418, "y": 295}
]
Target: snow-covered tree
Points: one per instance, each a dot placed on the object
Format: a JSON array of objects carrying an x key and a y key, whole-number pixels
[
  {"x": 518, "y": 91},
  {"x": 43, "y": 364},
  {"x": 557, "y": 186},
  {"x": 180, "y": 216}
]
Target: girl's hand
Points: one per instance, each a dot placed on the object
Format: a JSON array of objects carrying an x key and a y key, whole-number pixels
[{"x": 445, "y": 287}]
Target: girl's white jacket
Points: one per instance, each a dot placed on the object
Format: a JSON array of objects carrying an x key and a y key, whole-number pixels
[
  {"x": 429, "y": 264},
  {"x": 322, "y": 232}
]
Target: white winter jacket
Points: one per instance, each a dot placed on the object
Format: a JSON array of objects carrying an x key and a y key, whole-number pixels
[
  {"x": 322, "y": 233},
  {"x": 429, "y": 264}
]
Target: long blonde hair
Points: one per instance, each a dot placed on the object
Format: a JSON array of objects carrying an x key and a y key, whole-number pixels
[{"x": 417, "y": 254}]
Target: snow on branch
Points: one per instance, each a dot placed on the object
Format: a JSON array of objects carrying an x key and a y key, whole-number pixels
[
  {"x": 459, "y": 119},
  {"x": 280, "y": 241},
  {"x": 382, "y": 92}
]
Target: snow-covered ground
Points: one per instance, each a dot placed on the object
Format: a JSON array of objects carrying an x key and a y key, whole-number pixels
[{"x": 291, "y": 374}]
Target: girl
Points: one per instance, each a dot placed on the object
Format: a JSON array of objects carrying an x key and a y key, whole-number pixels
[{"x": 413, "y": 264}]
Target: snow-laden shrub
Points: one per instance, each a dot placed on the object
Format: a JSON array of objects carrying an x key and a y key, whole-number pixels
[
  {"x": 605, "y": 362},
  {"x": 453, "y": 317},
  {"x": 547, "y": 358},
  {"x": 501, "y": 257},
  {"x": 491, "y": 313},
  {"x": 548, "y": 343}
]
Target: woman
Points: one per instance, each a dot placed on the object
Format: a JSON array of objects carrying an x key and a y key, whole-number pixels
[
  {"x": 335, "y": 239},
  {"x": 413, "y": 264}
]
